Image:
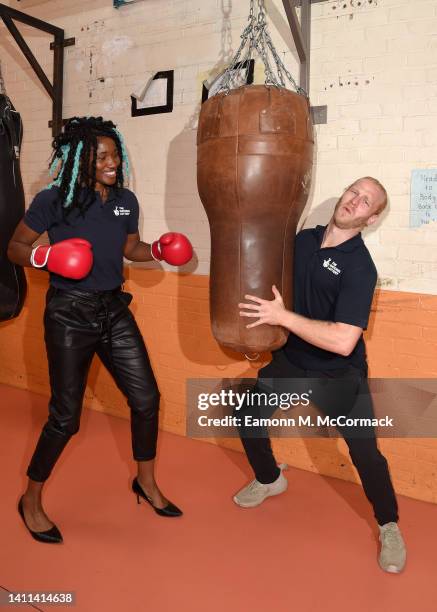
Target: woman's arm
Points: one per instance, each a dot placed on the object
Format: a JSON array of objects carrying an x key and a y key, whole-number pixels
[
  {"x": 20, "y": 245},
  {"x": 172, "y": 247},
  {"x": 136, "y": 250}
]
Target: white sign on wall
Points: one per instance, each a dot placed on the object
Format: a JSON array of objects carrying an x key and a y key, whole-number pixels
[{"x": 423, "y": 203}]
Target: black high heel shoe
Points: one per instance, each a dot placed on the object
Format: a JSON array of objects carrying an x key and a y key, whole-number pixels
[
  {"x": 51, "y": 536},
  {"x": 169, "y": 510}
]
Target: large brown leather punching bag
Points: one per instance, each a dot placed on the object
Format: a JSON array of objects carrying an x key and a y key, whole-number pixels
[
  {"x": 12, "y": 279},
  {"x": 255, "y": 147}
]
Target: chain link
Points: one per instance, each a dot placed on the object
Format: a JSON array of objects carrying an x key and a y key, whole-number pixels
[{"x": 255, "y": 38}]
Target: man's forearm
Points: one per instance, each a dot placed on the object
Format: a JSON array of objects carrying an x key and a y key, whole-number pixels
[{"x": 326, "y": 335}]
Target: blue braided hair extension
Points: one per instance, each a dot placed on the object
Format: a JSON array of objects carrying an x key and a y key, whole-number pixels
[
  {"x": 123, "y": 151},
  {"x": 74, "y": 174},
  {"x": 65, "y": 149}
]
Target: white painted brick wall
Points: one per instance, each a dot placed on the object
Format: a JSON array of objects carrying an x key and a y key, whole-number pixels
[{"x": 373, "y": 65}]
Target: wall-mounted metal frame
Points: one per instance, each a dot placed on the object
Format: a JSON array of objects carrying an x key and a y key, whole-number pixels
[
  {"x": 301, "y": 32},
  {"x": 54, "y": 90}
]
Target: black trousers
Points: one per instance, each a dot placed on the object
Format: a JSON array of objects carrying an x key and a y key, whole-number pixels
[
  {"x": 336, "y": 393},
  {"x": 79, "y": 324}
]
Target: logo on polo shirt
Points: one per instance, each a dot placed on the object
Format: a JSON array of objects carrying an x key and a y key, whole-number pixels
[
  {"x": 331, "y": 266},
  {"x": 120, "y": 210}
]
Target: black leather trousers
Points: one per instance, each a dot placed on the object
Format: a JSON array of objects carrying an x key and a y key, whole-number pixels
[{"x": 79, "y": 324}]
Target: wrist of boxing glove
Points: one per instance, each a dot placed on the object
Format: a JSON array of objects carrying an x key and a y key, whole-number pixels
[
  {"x": 40, "y": 256},
  {"x": 155, "y": 251}
]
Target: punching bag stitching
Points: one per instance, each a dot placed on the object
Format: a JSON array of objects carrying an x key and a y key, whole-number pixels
[
  {"x": 12, "y": 139},
  {"x": 273, "y": 105},
  {"x": 8, "y": 133},
  {"x": 284, "y": 243},
  {"x": 237, "y": 144},
  {"x": 18, "y": 137},
  {"x": 295, "y": 192}
]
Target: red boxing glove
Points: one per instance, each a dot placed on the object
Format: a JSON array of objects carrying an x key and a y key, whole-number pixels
[
  {"x": 72, "y": 258},
  {"x": 173, "y": 248}
]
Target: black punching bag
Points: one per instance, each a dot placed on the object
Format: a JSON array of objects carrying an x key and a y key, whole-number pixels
[{"x": 12, "y": 279}]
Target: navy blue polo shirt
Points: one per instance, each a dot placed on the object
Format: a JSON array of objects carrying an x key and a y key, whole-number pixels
[
  {"x": 105, "y": 225},
  {"x": 331, "y": 284}
]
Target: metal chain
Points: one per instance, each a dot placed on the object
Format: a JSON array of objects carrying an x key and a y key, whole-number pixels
[
  {"x": 255, "y": 38},
  {"x": 229, "y": 76}
]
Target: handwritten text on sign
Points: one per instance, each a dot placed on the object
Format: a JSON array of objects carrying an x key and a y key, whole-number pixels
[{"x": 423, "y": 205}]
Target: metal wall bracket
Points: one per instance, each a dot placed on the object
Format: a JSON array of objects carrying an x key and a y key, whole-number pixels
[
  {"x": 302, "y": 39},
  {"x": 68, "y": 42},
  {"x": 301, "y": 35},
  {"x": 55, "y": 91},
  {"x": 319, "y": 114}
]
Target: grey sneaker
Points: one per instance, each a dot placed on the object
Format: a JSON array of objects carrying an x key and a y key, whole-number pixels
[
  {"x": 393, "y": 553},
  {"x": 255, "y": 492}
]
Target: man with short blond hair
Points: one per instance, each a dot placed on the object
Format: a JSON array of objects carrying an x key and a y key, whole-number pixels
[{"x": 334, "y": 282}]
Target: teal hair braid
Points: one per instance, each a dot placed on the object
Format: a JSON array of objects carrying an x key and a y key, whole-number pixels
[
  {"x": 53, "y": 166},
  {"x": 123, "y": 152},
  {"x": 74, "y": 174},
  {"x": 65, "y": 149}
]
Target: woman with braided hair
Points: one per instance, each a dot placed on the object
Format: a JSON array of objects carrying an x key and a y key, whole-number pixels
[{"x": 92, "y": 222}]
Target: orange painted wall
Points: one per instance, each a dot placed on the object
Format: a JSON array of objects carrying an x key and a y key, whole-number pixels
[{"x": 173, "y": 314}]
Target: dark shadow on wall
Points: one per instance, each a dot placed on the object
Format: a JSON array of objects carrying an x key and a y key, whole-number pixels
[
  {"x": 180, "y": 196},
  {"x": 184, "y": 213},
  {"x": 320, "y": 215},
  {"x": 355, "y": 496}
]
